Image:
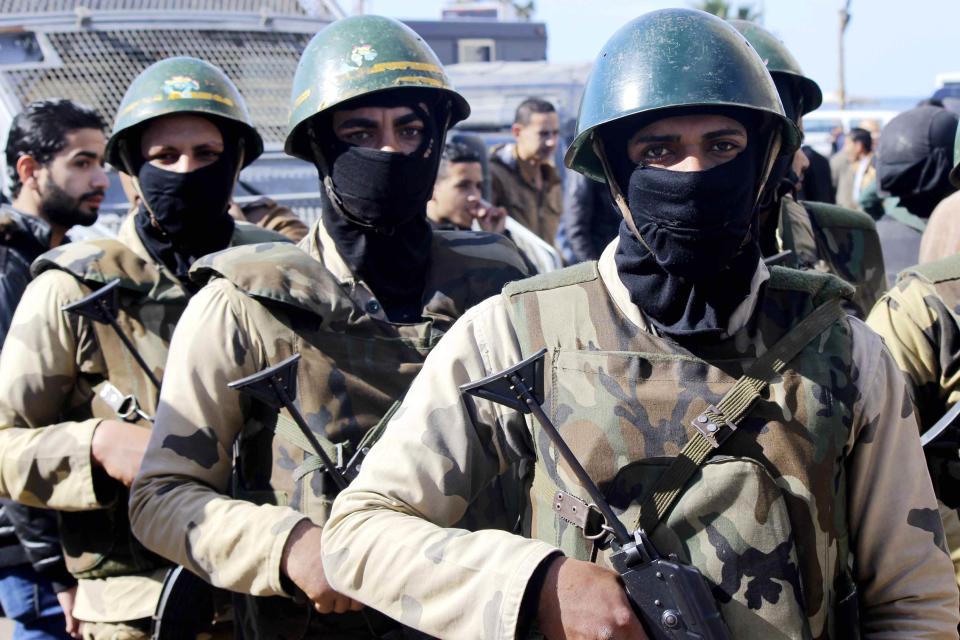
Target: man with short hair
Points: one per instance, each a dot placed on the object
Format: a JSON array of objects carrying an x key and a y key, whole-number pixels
[
  {"x": 523, "y": 179},
  {"x": 457, "y": 203},
  {"x": 55, "y": 157},
  {"x": 183, "y": 134}
]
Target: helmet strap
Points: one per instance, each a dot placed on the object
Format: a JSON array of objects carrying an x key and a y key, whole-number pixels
[
  {"x": 773, "y": 149},
  {"x": 135, "y": 179},
  {"x": 615, "y": 189}
]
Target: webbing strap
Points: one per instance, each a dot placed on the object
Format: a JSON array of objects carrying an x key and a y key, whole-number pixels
[
  {"x": 287, "y": 429},
  {"x": 717, "y": 423}
]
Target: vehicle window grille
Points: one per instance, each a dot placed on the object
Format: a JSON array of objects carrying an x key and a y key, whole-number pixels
[
  {"x": 98, "y": 66},
  {"x": 253, "y": 6}
]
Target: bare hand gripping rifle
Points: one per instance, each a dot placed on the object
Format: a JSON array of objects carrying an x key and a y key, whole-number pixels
[{"x": 672, "y": 600}]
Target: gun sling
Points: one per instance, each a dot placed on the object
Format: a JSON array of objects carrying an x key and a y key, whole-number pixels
[{"x": 712, "y": 427}]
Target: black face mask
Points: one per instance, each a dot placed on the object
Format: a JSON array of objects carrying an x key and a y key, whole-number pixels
[
  {"x": 187, "y": 216},
  {"x": 694, "y": 222},
  {"x": 380, "y": 189},
  {"x": 697, "y": 250}
]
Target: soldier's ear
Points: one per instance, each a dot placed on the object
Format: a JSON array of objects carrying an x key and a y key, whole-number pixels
[{"x": 27, "y": 169}]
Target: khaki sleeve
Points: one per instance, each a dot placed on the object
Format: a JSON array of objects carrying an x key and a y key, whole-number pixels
[
  {"x": 391, "y": 540},
  {"x": 44, "y": 460},
  {"x": 178, "y": 503},
  {"x": 269, "y": 215},
  {"x": 922, "y": 335},
  {"x": 901, "y": 565}
]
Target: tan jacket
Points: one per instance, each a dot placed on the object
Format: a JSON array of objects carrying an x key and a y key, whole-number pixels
[
  {"x": 537, "y": 209},
  {"x": 50, "y": 368}
]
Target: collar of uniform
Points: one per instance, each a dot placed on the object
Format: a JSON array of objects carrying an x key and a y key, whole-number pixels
[
  {"x": 607, "y": 268},
  {"x": 320, "y": 246}
]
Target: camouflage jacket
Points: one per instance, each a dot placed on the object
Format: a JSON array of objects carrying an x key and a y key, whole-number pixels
[
  {"x": 919, "y": 320},
  {"x": 440, "y": 451},
  {"x": 263, "y": 304},
  {"x": 51, "y": 369},
  {"x": 831, "y": 239}
]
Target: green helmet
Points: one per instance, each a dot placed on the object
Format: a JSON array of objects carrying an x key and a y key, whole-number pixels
[
  {"x": 359, "y": 56},
  {"x": 181, "y": 85},
  {"x": 955, "y": 174},
  {"x": 780, "y": 61},
  {"x": 668, "y": 59}
]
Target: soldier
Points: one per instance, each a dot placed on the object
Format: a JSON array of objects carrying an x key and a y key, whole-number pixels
[
  {"x": 182, "y": 130},
  {"x": 820, "y": 236},
  {"x": 363, "y": 300},
  {"x": 783, "y": 522},
  {"x": 919, "y": 320}
]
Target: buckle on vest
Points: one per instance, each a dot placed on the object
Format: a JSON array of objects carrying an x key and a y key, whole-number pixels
[
  {"x": 713, "y": 426},
  {"x": 583, "y": 516}
]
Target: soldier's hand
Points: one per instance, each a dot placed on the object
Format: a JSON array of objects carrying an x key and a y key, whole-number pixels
[
  {"x": 581, "y": 601},
  {"x": 301, "y": 563},
  {"x": 118, "y": 448}
]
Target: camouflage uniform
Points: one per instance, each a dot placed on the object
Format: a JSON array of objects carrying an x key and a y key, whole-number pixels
[
  {"x": 52, "y": 366},
  {"x": 919, "y": 320},
  {"x": 830, "y": 239},
  {"x": 777, "y": 520},
  {"x": 262, "y": 305}
]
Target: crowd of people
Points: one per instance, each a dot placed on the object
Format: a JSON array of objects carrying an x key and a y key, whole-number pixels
[{"x": 223, "y": 423}]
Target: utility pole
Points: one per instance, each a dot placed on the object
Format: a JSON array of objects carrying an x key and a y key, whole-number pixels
[{"x": 844, "y": 21}]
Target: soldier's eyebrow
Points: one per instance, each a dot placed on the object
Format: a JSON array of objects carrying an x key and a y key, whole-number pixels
[
  {"x": 358, "y": 123},
  {"x": 720, "y": 133},
  {"x": 406, "y": 119},
  {"x": 656, "y": 139}
]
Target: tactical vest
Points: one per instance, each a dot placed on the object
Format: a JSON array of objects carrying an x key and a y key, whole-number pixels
[
  {"x": 832, "y": 239},
  {"x": 764, "y": 519},
  {"x": 99, "y": 543},
  {"x": 353, "y": 368}
]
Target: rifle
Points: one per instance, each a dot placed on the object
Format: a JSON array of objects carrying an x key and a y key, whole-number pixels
[
  {"x": 103, "y": 306},
  {"x": 276, "y": 387},
  {"x": 672, "y": 600}
]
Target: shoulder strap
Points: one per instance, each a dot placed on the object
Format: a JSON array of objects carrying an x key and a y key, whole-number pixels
[{"x": 717, "y": 423}]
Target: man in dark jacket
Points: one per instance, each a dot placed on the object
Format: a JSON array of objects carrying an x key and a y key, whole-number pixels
[
  {"x": 589, "y": 216},
  {"x": 54, "y": 158}
]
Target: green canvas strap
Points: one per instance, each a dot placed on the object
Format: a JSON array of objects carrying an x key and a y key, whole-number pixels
[
  {"x": 287, "y": 429},
  {"x": 717, "y": 423}
]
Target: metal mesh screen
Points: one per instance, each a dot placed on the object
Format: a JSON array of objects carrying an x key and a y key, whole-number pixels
[
  {"x": 38, "y": 6},
  {"x": 98, "y": 66}
]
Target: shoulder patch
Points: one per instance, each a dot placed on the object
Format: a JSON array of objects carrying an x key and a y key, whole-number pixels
[
  {"x": 583, "y": 272},
  {"x": 939, "y": 271},
  {"x": 830, "y": 215},
  {"x": 99, "y": 262},
  {"x": 276, "y": 272},
  {"x": 820, "y": 286}
]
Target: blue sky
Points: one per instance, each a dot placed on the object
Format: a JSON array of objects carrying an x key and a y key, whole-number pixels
[{"x": 893, "y": 48}]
